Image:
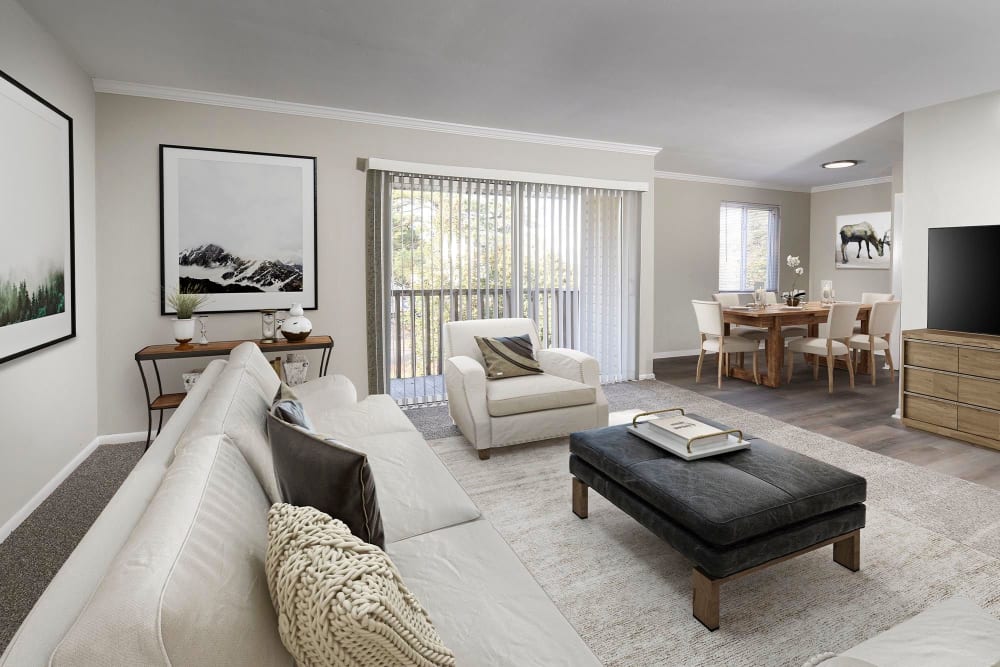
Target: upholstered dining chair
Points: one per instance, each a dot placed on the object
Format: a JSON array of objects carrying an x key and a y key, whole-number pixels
[
  {"x": 880, "y": 325},
  {"x": 713, "y": 339},
  {"x": 870, "y": 299},
  {"x": 566, "y": 396},
  {"x": 730, "y": 299},
  {"x": 840, "y": 325}
]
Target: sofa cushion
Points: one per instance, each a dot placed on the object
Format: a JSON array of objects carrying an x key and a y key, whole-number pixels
[
  {"x": 534, "y": 393},
  {"x": 188, "y": 587},
  {"x": 68, "y": 592},
  {"x": 341, "y": 601},
  {"x": 238, "y": 407},
  {"x": 484, "y": 603},
  {"x": 417, "y": 493},
  {"x": 508, "y": 356},
  {"x": 315, "y": 470}
]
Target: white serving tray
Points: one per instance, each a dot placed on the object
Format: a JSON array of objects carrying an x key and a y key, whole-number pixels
[{"x": 653, "y": 436}]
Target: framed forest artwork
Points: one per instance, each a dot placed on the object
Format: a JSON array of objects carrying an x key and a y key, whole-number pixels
[
  {"x": 37, "y": 280},
  {"x": 238, "y": 226}
]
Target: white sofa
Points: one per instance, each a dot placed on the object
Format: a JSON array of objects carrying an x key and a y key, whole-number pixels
[
  {"x": 171, "y": 573},
  {"x": 565, "y": 397}
]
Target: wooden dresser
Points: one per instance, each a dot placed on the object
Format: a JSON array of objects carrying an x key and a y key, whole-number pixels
[{"x": 951, "y": 384}]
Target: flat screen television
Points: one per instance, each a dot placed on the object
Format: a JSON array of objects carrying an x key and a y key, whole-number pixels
[{"x": 963, "y": 279}]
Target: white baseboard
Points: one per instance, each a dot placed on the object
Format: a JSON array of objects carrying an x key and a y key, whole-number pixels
[
  {"x": 122, "y": 438},
  {"x": 676, "y": 353},
  {"x": 647, "y": 376},
  {"x": 60, "y": 477}
]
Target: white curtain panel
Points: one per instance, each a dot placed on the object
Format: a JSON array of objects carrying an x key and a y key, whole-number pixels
[{"x": 461, "y": 248}]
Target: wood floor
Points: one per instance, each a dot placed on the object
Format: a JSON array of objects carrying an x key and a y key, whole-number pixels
[{"x": 862, "y": 417}]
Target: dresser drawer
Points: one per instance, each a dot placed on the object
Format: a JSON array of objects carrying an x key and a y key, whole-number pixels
[
  {"x": 928, "y": 355},
  {"x": 984, "y": 363},
  {"x": 979, "y": 422},
  {"x": 931, "y": 383},
  {"x": 985, "y": 393},
  {"x": 930, "y": 411}
]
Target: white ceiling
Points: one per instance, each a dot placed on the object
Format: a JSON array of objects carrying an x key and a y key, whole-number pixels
[{"x": 761, "y": 90}]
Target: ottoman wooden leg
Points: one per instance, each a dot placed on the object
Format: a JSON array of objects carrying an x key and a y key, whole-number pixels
[
  {"x": 847, "y": 551},
  {"x": 579, "y": 498},
  {"x": 706, "y": 599}
]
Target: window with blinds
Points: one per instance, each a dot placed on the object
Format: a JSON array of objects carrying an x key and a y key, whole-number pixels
[{"x": 748, "y": 247}]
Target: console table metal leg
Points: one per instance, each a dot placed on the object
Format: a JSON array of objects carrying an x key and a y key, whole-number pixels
[{"x": 149, "y": 410}]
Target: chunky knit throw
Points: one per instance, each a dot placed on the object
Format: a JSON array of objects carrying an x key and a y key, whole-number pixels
[{"x": 341, "y": 601}]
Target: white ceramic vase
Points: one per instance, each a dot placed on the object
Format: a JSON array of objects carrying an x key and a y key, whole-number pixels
[
  {"x": 296, "y": 326},
  {"x": 183, "y": 331}
]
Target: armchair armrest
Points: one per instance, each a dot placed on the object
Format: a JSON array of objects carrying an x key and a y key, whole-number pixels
[
  {"x": 570, "y": 364},
  {"x": 465, "y": 381}
]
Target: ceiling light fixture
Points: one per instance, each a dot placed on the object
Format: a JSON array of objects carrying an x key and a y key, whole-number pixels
[{"x": 840, "y": 164}]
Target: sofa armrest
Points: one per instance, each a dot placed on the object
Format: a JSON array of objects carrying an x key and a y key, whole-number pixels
[
  {"x": 465, "y": 381},
  {"x": 570, "y": 364}
]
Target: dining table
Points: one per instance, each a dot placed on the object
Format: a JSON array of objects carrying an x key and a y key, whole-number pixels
[{"x": 773, "y": 317}]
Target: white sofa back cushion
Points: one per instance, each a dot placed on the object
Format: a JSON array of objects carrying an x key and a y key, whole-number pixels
[
  {"x": 80, "y": 575},
  {"x": 188, "y": 588},
  {"x": 238, "y": 408},
  {"x": 460, "y": 337}
]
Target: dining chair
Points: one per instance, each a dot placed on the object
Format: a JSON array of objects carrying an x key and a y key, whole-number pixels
[
  {"x": 730, "y": 299},
  {"x": 880, "y": 325},
  {"x": 713, "y": 339},
  {"x": 870, "y": 299},
  {"x": 840, "y": 323}
]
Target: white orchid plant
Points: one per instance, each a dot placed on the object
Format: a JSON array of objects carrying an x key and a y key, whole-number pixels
[{"x": 795, "y": 263}]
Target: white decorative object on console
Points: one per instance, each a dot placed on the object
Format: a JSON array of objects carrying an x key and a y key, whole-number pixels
[{"x": 296, "y": 326}]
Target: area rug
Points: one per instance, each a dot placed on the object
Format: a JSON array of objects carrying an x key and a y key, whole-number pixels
[{"x": 628, "y": 594}]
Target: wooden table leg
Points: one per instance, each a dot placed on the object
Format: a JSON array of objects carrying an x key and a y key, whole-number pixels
[
  {"x": 705, "y": 603},
  {"x": 775, "y": 354},
  {"x": 847, "y": 552},
  {"x": 580, "y": 498}
]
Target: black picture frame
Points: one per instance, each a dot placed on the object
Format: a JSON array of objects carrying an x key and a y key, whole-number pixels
[
  {"x": 237, "y": 302},
  {"x": 47, "y": 329}
]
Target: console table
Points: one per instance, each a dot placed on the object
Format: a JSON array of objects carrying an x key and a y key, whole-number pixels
[{"x": 155, "y": 353}]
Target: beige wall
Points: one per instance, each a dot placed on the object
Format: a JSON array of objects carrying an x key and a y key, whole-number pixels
[
  {"x": 826, "y": 206},
  {"x": 950, "y": 176},
  {"x": 129, "y": 131},
  {"x": 687, "y": 250},
  {"x": 48, "y": 411}
]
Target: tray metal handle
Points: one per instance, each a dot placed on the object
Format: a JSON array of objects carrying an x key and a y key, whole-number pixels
[
  {"x": 732, "y": 431},
  {"x": 635, "y": 420}
]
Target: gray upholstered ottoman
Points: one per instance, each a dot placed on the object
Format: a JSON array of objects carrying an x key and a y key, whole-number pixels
[{"x": 731, "y": 514}]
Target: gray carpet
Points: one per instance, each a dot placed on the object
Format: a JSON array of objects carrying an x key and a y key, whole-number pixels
[{"x": 34, "y": 552}]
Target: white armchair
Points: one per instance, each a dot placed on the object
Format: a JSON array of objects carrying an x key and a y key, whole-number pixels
[{"x": 565, "y": 397}]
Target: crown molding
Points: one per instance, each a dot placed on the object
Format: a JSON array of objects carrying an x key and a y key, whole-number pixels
[
  {"x": 852, "y": 184},
  {"x": 697, "y": 178},
  {"x": 352, "y": 116}
]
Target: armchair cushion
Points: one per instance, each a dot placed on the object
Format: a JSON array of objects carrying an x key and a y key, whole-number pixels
[
  {"x": 508, "y": 356},
  {"x": 570, "y": 364},
  {"x": 533, "y": 393}
]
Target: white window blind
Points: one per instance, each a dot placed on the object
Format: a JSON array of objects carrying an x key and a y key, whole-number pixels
[{"x": 748, "y": 247}]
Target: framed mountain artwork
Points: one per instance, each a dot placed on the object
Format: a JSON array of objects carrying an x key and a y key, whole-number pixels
[
  {"x": 37, "y": 280},
  {"x": 239, "y": 227}
]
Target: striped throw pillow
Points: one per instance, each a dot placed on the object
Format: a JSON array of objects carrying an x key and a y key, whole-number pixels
[{"x": 508, "y": 356}]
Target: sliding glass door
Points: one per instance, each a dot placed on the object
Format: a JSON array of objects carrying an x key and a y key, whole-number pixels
[{"x": 445, "y": 249}]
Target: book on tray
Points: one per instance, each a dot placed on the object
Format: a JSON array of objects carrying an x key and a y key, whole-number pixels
[{"x": 684, "y": 429}]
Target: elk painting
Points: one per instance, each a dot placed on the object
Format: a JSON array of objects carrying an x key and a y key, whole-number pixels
[{"x": 864, "y": 241}]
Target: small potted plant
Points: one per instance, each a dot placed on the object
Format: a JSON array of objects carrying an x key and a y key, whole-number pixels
[
  {"x": 184, "y": 304},
  {"x": 793, "y": 296}
]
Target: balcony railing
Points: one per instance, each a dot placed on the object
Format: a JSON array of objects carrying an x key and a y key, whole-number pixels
[{"x": 418, "y": 316}]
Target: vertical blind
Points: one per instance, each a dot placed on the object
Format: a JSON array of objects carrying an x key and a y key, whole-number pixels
[
  {"x": 445, "y": 248},
  {"x": 748, "y": 247}
]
